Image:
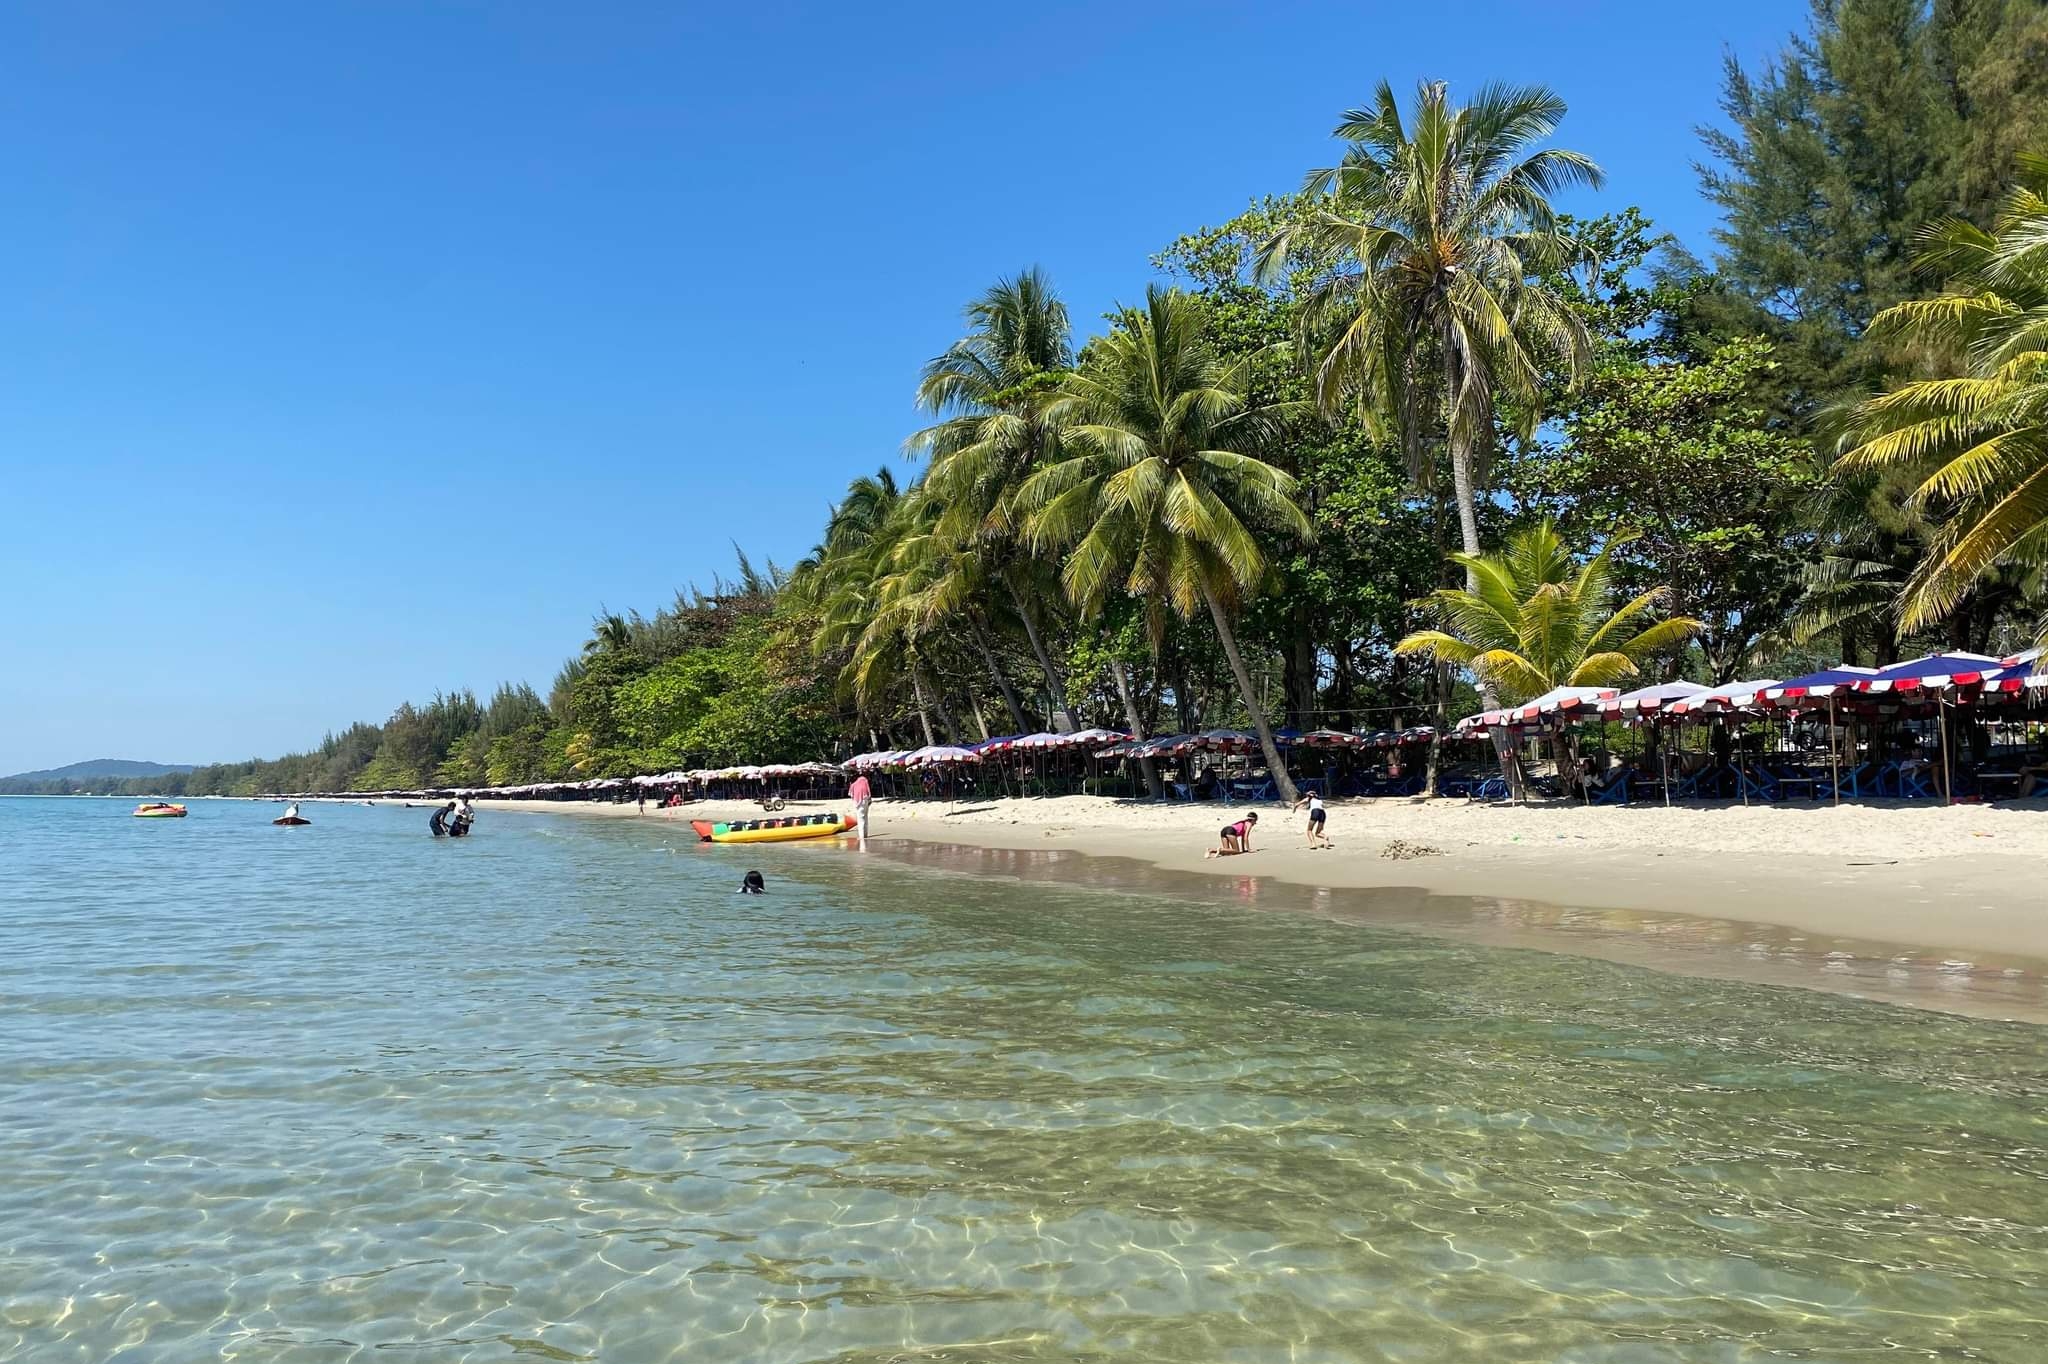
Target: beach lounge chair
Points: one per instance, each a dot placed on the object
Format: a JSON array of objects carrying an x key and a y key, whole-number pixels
[
  {"x": 1614, "y": 792},
  {"x": 1911, "y": 783}
]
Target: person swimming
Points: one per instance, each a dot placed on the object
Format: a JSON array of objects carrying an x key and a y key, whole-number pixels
[{"x": 752, "y": 884}]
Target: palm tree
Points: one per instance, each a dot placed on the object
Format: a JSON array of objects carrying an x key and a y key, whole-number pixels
[
  {"x": 991, "y": 390},
  {"x": 1437, "y": 232},
  {"x": 1160, "y": 490},
  {"x": 611, "y": 633},
  {"x": 1977, "y": 437},
  {"x": 1537, "y": 619}
]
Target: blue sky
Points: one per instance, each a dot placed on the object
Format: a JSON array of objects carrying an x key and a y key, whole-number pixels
[{"x": 349, "y": 352}]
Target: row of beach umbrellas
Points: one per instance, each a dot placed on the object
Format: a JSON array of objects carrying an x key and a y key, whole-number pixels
[{"x": 1936, "y": 676}]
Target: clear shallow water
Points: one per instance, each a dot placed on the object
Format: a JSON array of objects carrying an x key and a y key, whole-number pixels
[{"x": 346, "y": 1093}]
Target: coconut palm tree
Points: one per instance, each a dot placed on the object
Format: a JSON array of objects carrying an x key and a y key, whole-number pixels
[
  {"x": 610, "y": 633},
  {"x": 1538, "y": 618},
  {"x": 1976, "y": 437},
  {"x": 992, "y": 391},
  {"x": 1437, "y": 230},
  {"x": 933, "y": 590},
  {"x": 1160, "y": 490}
]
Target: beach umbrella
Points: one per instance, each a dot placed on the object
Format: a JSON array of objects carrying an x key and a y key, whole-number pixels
[
  {"x": 2021, "y": 674},
  {"x": 1557, "y": 702},
  {"x": 1816, "y": 685},
  {"x": 1934, "y": 672},
  {"x": 1332, "y": 738},
  {"x": 1649, "y": 700},
  {"x": 940, "y": 754},
  {"x": 1095, "y": 736},
  {"x": 1722, "y": 699}
]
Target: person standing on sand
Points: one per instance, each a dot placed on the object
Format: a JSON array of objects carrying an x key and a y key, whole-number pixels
[
  {"x": 861, "y": 794},
  {"x": 1316, "y": 815}
]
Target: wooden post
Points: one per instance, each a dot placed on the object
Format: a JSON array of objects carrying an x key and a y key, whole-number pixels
[
  {"x": 1741, "y": 777},
  {"x": 1664, "y": 755},
  {"x": 1834, "y": 765},
  {"x": 1948, "y": 774}
]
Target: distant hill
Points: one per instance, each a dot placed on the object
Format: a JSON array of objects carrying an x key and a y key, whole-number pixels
[{"x": 93, "y": 769}]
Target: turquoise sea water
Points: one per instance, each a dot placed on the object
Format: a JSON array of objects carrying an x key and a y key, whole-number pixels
[{"x": 346, "y": 1093}]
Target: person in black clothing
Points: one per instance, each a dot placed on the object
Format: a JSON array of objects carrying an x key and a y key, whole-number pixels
[
  {"x": 439, "y": 823},
  {"x": 752, "y": 884}
]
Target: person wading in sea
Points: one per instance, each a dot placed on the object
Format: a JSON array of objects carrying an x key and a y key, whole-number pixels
[{"x": 861, "y": 794}]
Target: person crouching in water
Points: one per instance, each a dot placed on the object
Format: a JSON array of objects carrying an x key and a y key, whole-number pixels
[
  {"x": 1237, "y": 838},
  {"x": 458, "y": 827},
  {"x": 752, "y": 884},
  {"x": 439, "y": 823}
]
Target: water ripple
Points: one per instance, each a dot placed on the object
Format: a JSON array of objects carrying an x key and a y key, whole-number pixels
[{"x": 343, "y": 1093}]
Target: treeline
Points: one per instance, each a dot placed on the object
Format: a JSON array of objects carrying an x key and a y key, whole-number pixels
[{"x": 1237, "y": 504}]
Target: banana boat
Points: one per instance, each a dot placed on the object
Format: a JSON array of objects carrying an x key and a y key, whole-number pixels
[{"x": 772, "y": 830}]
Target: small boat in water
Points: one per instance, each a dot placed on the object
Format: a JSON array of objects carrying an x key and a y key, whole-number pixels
[
  {"x": 291, "y": 821},
  {"x": 159, "y": 809},
  {"x": 772, "y": 830}
]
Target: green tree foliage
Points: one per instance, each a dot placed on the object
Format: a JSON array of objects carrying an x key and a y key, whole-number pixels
[
  {"x": 1341, "y": 599},
  {"x": 1437, "y": 236},
  {"x": 1542, "y": 617},
  {"x": 1884, "y": 116},
  {"x": 1671, "y": 441},
  {"x": 1162, "y": 493},
  {"x": 1977, "y": 434}
]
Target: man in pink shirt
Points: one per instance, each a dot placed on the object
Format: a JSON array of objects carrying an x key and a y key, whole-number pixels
[{"x": 860, "y": 793}]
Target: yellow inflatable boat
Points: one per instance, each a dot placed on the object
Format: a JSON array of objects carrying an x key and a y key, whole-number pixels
[
  {"x": 772, "y": 830},
  {"x": 157, "y": 809}
]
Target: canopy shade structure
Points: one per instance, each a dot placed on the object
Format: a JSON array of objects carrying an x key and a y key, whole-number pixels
[
  {"x": 1651, "y": 699},
  {"x": 1332, "y": 738}
]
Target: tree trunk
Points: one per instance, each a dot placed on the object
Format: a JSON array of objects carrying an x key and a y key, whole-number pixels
[
  {"x": 1298, "y": 671},
  {"x": 1441, "y": 676},
  {"x": 924, "y": 715},
  {"x": 1183, "y": 698},
  {"x": 1123, "y": 691},
  {"x": 1228, "y": 638},
  {"x": 947, "y": 718},
  {"x": 1018, "y": 724},
  {"x": 1062, "y": 722},
  {"x": 1468, "y": 533}
]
